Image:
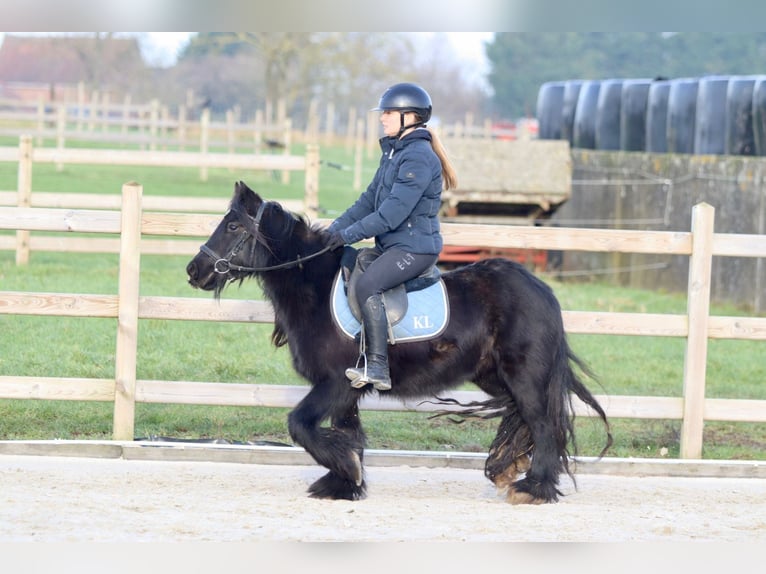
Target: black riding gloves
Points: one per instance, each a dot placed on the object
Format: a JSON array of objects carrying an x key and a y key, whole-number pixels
[{"x": 336, "y": 240}]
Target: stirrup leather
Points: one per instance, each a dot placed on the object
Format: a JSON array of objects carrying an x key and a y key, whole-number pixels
[{"x": 356, "y": 374}]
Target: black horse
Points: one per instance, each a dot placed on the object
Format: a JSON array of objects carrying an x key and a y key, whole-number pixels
[{"x": 505, "y": 334}]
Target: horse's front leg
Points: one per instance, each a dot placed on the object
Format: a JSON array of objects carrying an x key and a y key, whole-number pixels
[{"x": 339, "y": 447}]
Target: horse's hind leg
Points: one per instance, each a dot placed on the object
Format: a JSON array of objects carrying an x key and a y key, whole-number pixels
[
  {"x": 509, "y": 454},
  {"x": 534, "y": 424},
  {"x": 339, "y": 447}
]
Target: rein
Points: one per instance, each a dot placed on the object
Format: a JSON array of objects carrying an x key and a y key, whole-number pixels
[{"x": 223, "y": 265}]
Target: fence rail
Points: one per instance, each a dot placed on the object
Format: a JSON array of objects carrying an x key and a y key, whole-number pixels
[
  {"x": 697, "y": 326},
  {"x": 24, "y": 198},
  {"x": 150, "y": 125},
  {"x": 154, "y": 125}
]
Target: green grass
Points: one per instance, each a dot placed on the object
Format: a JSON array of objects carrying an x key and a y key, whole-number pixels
[{"x": 203, "y": 351}]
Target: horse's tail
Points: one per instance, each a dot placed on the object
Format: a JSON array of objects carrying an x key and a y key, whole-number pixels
[{"x": 565, "y": 382}]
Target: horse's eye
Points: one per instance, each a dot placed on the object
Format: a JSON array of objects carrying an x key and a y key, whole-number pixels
[{"x": 233, "y": 226}]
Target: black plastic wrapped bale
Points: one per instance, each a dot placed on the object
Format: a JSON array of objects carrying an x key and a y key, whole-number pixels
[
  {"x": 549, "y": 101},
  {"x": 568, "y": 108},
  {"x": 633, "y": 114},
  {"x": 710, "y": 122},
  {"x": 608, "y": 115},
  {"x": 657, "y": 117},
  {"x": 759, "y": 115},
  {"x": 584, "y": 131},
  {"x": 739, "y": 137},
  {"x": 682, "y": 107}
]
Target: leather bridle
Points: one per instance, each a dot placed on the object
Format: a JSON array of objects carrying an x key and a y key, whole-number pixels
[{"x": 223, "y": 265}]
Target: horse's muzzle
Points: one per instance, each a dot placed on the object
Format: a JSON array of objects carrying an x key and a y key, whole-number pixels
[{"x": 193, "y": 271}]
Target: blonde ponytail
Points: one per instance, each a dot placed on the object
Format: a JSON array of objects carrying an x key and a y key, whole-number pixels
[{"x": 448, "y": 170}]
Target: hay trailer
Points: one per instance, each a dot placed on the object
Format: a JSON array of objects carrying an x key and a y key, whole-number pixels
[{"x": 517, "y": 182}]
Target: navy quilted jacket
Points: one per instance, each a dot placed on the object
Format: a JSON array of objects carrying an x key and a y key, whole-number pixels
[{"x": 400, "y": 207}]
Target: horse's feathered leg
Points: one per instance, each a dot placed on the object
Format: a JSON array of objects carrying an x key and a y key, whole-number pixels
[
  {"x": 540, "y": 393},
  {"x": 509, "y": 454},
  {"x": 339, "y": 447}
]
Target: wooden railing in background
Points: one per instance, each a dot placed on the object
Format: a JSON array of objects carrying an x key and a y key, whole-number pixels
[
  {"x": 700, "y": 244},
  {"x": 27, "y": 156}
]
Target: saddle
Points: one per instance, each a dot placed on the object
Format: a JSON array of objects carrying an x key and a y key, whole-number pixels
[{"x": 417, "y": 309}]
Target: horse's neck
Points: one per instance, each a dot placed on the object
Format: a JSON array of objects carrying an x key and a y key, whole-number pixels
[{"x": 295, "y": 294}]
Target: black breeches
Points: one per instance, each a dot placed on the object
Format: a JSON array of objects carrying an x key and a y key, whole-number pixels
[{"x": 390, "y": 269}]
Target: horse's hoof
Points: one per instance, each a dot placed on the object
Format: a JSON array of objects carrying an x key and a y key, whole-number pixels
[
  {"x": 527, "y": 491},
  {"x": 515, "y": 497},
  {"x": 358, "y": 468},
  {"x": 333, "y": 487},
  {"x": 504, "y": 480}
]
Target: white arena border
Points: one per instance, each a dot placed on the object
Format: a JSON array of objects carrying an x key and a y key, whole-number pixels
[{"x": 288, "y": 455}]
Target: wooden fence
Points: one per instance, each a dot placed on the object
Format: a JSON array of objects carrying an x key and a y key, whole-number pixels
[
  {"x": 152, "y": 125},
  {"x": 26, "y": 156},
  {"x": 149, "y": 125},
  {"x": 700, "y": 244}
]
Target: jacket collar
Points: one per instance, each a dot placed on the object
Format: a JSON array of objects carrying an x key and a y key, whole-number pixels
[{"x": 391, "y": 144}]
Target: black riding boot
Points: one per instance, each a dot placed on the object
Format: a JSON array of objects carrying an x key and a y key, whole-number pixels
[{"x": 375, "y": 369}]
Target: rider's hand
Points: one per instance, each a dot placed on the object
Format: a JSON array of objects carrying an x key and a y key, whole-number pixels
[{"x": 336, "y": 240}]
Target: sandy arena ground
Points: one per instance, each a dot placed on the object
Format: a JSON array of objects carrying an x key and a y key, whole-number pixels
[{"x": 50, "y": 498}]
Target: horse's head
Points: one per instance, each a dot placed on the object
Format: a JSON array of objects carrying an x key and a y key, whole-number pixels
[{"x": 250, "y": 237}]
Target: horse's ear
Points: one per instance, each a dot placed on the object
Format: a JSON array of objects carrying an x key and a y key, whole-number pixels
[
  {"x": 241, "y": 187},
  {"x": 244, "y": 193},
  {"x": 245, "y": 198}
]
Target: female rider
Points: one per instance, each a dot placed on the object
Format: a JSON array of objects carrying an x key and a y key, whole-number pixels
[{"x": 400, "y": 210}]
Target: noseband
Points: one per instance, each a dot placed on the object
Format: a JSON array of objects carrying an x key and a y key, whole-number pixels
[{"x": 223, "y": 265}]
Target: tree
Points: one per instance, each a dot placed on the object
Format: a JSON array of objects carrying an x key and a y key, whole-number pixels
[
  {"x": 248, "y": 69},
  {"x": 247, "y": 66},
  {"x": 522, "y": 62}
]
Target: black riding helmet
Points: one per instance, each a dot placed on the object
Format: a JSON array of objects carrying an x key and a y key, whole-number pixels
[{"x": 406, "y": 97}]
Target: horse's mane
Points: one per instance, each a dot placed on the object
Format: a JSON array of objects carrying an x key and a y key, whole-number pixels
[{"x": 306, "y": 237}]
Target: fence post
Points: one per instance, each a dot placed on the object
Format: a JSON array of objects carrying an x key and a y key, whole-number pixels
[
  {"x": 204, "y": 138},
  {"x": 127, "y": 313},
  {"x": 312, "y": 181},
  {"x": 95, "y": 97},
  {"x": 60, "y": 133},
  {"x": 154, "y": 116},
  {"x": 24, "y": 196},
  {"x": 181, "y": 127},
  {"x": 487, "y": 131},
  {"x": 105, "y": 105},
  {"x": 125, "y": 114},
  {"x": 164, "y": 126},
  {"x": 358, "y": 153},
  {"x": 288, "y": 123},
  {"x": 698, "y": 312},
  {"x": 352, "y": 131},
  {"x": 373, "y": 129},
  {"x": 40, "y": 120},
  {"x": 258, "y": 132},
  {"x": 80, "y": 114},
  {"x": 329, "y": 128},
  {"x": 230, "y": 137}
]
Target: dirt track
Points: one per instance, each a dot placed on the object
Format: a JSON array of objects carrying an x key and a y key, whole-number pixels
[{"x": 84, "y": 499}]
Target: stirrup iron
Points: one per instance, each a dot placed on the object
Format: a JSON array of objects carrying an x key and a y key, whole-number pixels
[{"x": 358, "y": 376}]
